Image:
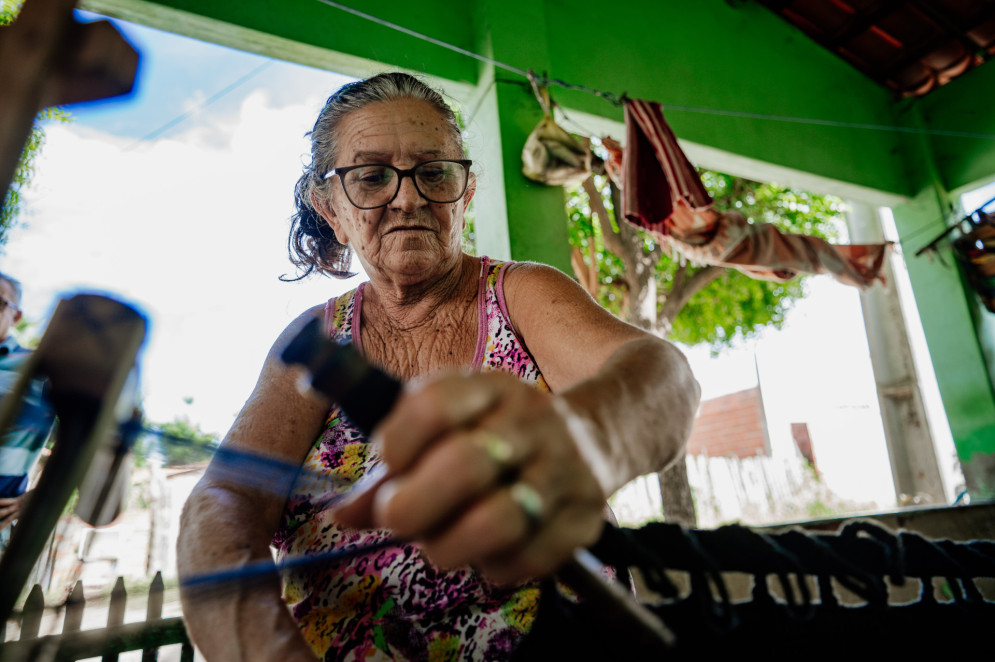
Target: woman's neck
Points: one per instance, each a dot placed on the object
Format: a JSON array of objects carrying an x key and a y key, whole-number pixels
[{"x": 409, "y": 305}]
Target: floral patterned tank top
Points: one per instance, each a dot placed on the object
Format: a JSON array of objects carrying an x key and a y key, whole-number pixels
[{"x": 391, "y": 604}]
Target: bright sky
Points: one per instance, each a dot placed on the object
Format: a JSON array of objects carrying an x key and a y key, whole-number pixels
[{"x": 181, "y": 208}]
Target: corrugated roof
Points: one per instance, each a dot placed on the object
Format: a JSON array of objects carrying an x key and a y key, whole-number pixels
[{"x": 910, "y": 48}]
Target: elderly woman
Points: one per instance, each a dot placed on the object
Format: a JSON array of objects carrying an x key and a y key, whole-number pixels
[{"x": 526, "y": 405}]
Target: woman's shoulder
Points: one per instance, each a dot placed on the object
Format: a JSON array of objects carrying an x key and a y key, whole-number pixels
[
  {"x": 538, "y": 294},
  {"x": 528, "y": 275},
  {"x": 522, "y": 270},
  {"x": 528, "y": 289}
]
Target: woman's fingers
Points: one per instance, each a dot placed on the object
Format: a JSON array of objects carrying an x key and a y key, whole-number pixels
[
  {"x": 548, "y": 549},
  {"x": 521, "y": 528},
  {"x": 482, "y": 469},
  {"x": 428, "y": 417},
  {"x": 509, "y": 542},
  {"x": 356, "y": 509},
  {"x": 493, "y": 525},
  {"x": 428, "y": 410},
  {"x": 449, "y": 476}
]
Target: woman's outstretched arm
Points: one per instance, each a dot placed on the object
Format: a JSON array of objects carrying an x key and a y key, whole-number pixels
[{"x": 227, "y": 524}]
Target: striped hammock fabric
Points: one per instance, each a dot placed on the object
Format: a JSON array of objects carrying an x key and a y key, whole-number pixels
[{"x": 663, "y": 194}]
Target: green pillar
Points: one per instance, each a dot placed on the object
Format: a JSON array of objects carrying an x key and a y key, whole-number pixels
[
  {"x": 514, "y": 216},
  {"x": 950, "y": 321}
]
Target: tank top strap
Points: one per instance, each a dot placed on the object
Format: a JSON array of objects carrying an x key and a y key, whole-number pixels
[
  {"x": 341, "y": 319},
  {"x": 502, "y": 348}
]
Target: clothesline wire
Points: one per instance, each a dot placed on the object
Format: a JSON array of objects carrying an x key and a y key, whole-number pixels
[
  {"x": 425, "y": 37},
  {"x": 617, "y": 100},
  {"x": 832, "y": 123}
]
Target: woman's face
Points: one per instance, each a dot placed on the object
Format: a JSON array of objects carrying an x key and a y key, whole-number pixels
[{"x": 410, "y": 239}]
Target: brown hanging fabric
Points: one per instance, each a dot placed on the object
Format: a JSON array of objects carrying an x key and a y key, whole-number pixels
[
  {"x": 663, "y": 194},
  {"x": 551, "y": 155}
]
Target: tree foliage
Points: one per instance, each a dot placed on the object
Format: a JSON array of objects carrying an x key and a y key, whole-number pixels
[
  {"x": 11, "y": 203},
  {"x": 725, "y": 304},
  {"x": 9, "y": 10}
]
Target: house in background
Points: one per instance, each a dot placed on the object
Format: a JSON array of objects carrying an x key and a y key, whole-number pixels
[{"x": 732, "y": 425}]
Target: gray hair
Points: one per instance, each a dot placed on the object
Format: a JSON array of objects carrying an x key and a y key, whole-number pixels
[
  {"x": 312, "y": 244},
  {"x": 16, "y": 284}
]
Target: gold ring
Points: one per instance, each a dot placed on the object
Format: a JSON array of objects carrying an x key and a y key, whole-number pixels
[
  {"x": 500, "y": 453},
  {"x": 529, "y": 500}
]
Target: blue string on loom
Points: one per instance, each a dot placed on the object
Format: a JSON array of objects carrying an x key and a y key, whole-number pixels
[
  {"x": 267, "y": 474},
  {"x": 253, "y": 470}
]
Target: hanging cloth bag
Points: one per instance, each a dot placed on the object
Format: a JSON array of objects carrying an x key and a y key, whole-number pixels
[{"x": 553, "y": 156}]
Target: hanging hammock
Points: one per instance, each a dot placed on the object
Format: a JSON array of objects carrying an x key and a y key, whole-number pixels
[{"x": 663, "y": 194}]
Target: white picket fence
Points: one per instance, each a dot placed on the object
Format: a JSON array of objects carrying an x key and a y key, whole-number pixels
[{"x": 753, "y": 490}]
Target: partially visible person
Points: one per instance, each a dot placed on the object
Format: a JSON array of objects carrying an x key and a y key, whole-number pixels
[{"x": 22, "y": 444}]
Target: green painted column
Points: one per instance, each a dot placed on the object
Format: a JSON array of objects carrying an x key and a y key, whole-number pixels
[
  {"x": 515, "y": 217},
  {"x": 948, "y": 314}
]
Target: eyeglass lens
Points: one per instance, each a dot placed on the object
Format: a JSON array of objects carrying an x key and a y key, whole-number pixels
[{"x": 376, "y": 185}]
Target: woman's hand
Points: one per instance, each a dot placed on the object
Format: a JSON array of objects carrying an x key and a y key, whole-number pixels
[{"x": 483, "y": 469}]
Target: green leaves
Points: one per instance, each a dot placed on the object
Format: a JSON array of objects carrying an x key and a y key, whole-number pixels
[
  {"x": 9, "y": 10},
  {"x": 734, "y": 306},
  {"x": 26, "y": 168}
]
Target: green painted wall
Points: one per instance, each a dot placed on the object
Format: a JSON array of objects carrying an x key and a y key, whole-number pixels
[
  {"x": 965, "y": 106},
  {"x": 948, "y": 312},
  {"x": 709, "y": 63},
  {"x": 514, "y": 32},
  {"x": 957, "y": 330}
]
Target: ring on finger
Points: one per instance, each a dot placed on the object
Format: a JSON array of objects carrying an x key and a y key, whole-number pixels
[
  {"x": 528, "y": 499},
  {"x": 500, "y": 452}
]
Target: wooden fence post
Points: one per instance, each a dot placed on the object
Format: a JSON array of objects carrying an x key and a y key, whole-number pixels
[
  {"x": 154, "y": 613},
  {"x": 34, "y": 607},
  {"x": 107, "y": 643},
  {"x": 115, "y": 612},
  {"x": 74, "y": 609}
]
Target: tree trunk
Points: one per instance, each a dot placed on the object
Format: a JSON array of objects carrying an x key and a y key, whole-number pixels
[{"x": 675, "y": 493}]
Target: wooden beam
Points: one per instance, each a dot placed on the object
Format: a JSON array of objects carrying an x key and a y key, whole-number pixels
[{"x": 51, "y": 60}]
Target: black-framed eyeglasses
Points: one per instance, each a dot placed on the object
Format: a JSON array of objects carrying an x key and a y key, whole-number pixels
[
  {"x": 4, "y": 305},
  {"x": 375, "y": 185}
]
